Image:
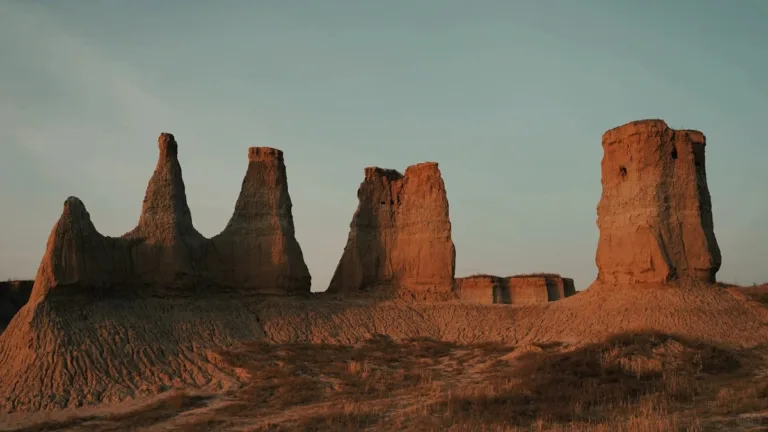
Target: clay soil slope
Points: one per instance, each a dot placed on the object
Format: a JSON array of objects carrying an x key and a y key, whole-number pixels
[{"x": 64, "y": 353}]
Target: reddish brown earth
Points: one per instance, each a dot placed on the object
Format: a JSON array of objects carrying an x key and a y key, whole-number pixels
[
  {"x": 13, "y": 295},
  {"x": 400, "y": 235},
  {"x": 75, "y": 344},
  {"x": 655, "y": 213}
]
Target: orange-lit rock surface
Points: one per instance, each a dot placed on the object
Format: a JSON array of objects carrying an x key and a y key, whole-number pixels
[
  {"x": 480, "y": 289},
  {"x": 655, "y": 213},
  {"x": 400, "y": 235}
]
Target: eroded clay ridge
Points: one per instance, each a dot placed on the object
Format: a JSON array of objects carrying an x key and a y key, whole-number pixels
[
  {"x": 655, "y": 213},
  {"x": 516, "y": 290},
  {"x": 400, "y": 235},
  {"x": 13, "y": 295},
  {"x": 256, "y": 252}
]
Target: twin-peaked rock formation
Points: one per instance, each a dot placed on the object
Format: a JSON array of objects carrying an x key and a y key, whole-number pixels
[
  {"x": 257, "y": 252},
  {"x": 400, "y": 235},
  {"x": 655, "y": 213},
  {"x": 516, "y": 290}
]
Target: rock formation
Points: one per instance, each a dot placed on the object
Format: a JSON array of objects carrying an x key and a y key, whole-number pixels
[
  {"x": 13, "y": 295},
  {"x": 655, "y": 213},
  {"x": 517, "y": 290},
  {"x": 526, "y": 290},
  {"x": 77, "y": 255},
  {"x": 568, "y": 287},
  {"x": 480, "y": 289},
  {"x": 258, "y": 248},
  {"x": 257, "y": 251},
  {"x": 166, "y": 246},
  {"x": 400, "y": 235}
]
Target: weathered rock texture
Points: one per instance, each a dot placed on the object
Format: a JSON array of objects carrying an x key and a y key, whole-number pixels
[
  {"x": 64, "y": 355},
  {"x": 13, "y": 295},
  {"x": 258, "y": 248},
  {"x": 166, "y": 247},
  {"x": 257, "y": 252},
  {"x": 480, "y": 289},
  {"x": 517, "y": 290},
  {"x": 400, "y": 235},
  {"x": 655, "y": 213},
  {"x": 527, "y": 290}
]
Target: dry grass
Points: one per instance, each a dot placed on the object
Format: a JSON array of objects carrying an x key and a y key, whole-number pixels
[
  {"x": 758, "y": 293},
  {"x": 631, "y": 382},
  {"x": 590, "y": 385},
  {"x": 144, "y": 416}
]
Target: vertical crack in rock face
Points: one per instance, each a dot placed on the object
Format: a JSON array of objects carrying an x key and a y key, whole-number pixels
[
  {"x": 400, "y": 235},
  {"x": 655, "y": 213},
  {"x": 256, "y": 252},
  {"x": 258, "y": 248}
]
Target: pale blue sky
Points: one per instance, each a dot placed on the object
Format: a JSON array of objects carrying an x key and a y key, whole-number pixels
[{"x": 510, "y": 97}]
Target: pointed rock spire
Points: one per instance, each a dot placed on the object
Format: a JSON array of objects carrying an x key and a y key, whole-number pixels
[
  {"x": 165, "y": 215},
  {"x": 258, "y": 248},
  {"x": 167, "y": 244},
  {"x": 76, "y": 254}
]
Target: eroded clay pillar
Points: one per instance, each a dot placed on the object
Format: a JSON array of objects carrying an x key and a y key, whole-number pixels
[{"x": 655, "y": 213}]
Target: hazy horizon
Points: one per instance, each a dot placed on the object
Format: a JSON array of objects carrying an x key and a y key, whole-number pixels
[{"x": 510, "y": 98}]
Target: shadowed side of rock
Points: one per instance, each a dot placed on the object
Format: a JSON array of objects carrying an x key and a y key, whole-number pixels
[
  {"x": 257, "y": 252},
  {"x": 655, "y": 213},
  {"x": 258, "y": 249},
  {"x": 400, "y": 235},
  {"x": 13, "y": 295}
]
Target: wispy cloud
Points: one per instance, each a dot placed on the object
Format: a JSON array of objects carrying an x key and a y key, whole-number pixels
[
  {"x": 71, "y": 116},
  {"x": 78, "y": 69}
]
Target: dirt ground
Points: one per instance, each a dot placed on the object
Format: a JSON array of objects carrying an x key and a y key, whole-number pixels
[
  {"x": 630, "y": 382},
  {"x": 627, "y": 381}
]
